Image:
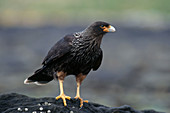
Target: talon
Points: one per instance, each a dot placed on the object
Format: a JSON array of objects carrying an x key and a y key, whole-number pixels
[
  {"x": 81, "y": 100},
  {"x": 63, "y": 97},
  {"x": 86, "y": 101},
  {"x": 76, "y": 97},
  {"x": 58, "y": 97},
  {"x": 67, "y": 97}
]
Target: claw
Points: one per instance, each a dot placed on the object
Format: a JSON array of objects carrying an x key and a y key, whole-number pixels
[
  {"x": 68, "y": 97},
  {"x": 63, "y": 97},
  {"x": 86, "y": 101},
  {"x": 81, "y": 101}
]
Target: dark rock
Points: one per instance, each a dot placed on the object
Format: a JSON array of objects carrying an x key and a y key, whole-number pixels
[{"x": 17, "y": 103}]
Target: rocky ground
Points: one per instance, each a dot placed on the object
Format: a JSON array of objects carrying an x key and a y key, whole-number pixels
[{"x": 17, "y": 103}]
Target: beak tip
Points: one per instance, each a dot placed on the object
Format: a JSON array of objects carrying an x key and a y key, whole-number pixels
[{"x": 112, "y": 29}]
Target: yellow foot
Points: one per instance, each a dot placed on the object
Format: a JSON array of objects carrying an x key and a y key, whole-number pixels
[
  {"x": 63, "y": 97},
  {"x": 81, "y": 100}
]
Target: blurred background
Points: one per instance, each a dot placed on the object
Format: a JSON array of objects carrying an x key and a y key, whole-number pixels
[{"x": 136, "y": 65}]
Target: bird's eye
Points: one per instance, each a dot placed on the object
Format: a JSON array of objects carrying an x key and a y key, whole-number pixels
[{"x": 102, "y": 26}]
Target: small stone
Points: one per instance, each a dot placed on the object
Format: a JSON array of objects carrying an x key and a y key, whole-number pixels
[
  {"x": 26, "y": 109},
  {"x": 49, "y": 104},
  {"x": 49, "y": 111},
  {"x": 39, "y": 104},
  {"x": 71, "y": 112},
  {"x": 19, "y": 109},
  {"x": 34, "y": 112},
  {"x": 46, "y": 103},
  {"x": 41, "y": 108},
  {"x": 73, "y": 107}
]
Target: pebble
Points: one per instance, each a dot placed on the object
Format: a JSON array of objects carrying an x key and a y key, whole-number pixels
[
  {"x": 41, "y": 108},
  {"x": 49, "y": 111},
  {"x": 46, "y": 103},
  {"x": 71, "y": 112},
  {"x": 19, "y": 109},
  {"x": 26, "y": 109},
  {"x": 34, "y": 112}
]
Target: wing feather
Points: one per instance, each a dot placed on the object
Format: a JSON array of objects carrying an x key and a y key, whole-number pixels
[
  {"x": 61, "y": 48},
  {"x": 98, "y": 62}
]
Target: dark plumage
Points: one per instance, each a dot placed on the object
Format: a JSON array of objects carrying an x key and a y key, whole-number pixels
[{"x": 75, "y": 54}]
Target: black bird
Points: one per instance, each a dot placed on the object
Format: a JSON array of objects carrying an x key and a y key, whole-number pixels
[{"x": 75, "y": 54}]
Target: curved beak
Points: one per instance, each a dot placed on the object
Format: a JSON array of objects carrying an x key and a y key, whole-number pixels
[
  {"x": 108, "y": 29},
  {"x": 111, "y": 29}
]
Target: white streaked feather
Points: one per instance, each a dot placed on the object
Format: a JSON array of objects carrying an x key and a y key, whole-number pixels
[{"x": 37, "y": 83}]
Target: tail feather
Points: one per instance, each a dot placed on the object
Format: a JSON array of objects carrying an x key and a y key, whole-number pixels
[{"x": 39, "y": 78}]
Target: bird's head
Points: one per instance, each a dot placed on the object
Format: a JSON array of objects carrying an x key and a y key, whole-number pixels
[{"x": 100, "y": 28}]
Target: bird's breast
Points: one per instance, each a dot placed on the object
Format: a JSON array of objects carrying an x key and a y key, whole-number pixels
[{"x": 85, "y": 56}]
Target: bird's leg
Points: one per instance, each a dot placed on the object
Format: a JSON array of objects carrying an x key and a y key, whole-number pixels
[
  {"x": 79, "y": 79},
  {"x": 61, "y": 76}
]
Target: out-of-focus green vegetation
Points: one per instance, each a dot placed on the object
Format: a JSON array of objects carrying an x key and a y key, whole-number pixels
[{"x": 38, "y": 12}]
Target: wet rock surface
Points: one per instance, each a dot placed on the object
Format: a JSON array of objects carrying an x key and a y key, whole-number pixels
[{"x": 17, "y": 103}]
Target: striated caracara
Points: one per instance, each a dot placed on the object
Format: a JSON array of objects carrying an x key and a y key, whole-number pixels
[{"x": 75, "y": 54}]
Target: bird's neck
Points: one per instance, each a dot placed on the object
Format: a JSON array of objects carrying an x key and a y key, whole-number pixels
[
  {"x": 93, "y": 38},
  {"x": 91, "y": 32}
]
